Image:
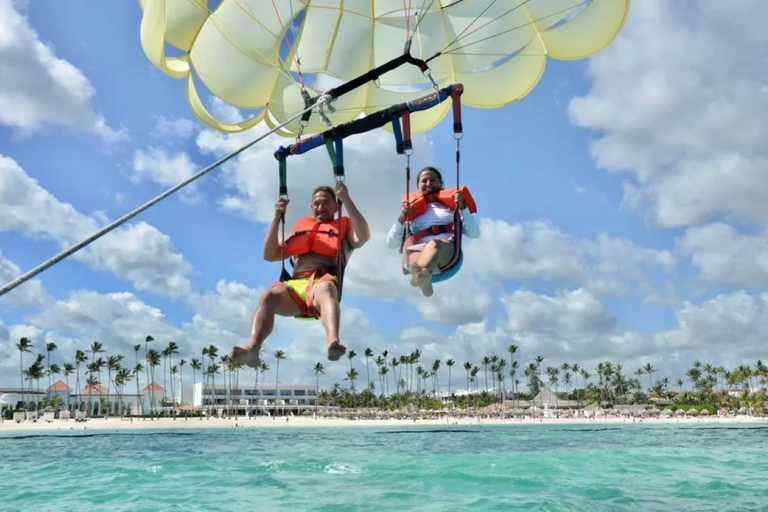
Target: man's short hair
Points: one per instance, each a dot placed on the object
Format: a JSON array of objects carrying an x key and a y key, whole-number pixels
[{"x": 324, "y": 188}]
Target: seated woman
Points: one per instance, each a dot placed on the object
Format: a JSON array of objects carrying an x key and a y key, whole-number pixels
[{"x": 429, "y": 249}]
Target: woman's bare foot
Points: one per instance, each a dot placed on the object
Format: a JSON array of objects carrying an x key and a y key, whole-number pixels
[
  {"x": 336, "y": 350},
  {"x": 414, "y": 270},
  {"x": 246, "y": 356},
  {"x": 424, "y": 282}
]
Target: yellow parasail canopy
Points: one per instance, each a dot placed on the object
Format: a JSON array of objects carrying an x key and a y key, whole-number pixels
[{"x": 255, "y": 54}]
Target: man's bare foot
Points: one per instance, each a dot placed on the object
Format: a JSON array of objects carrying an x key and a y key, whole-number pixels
[
  {"x": 336, "y": 350},
  {"x": 424, "y": 282},
  {"x": 246, "y": 356}
]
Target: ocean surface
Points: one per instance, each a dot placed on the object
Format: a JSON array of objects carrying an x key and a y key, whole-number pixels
[{"x": 537, "y": 467}]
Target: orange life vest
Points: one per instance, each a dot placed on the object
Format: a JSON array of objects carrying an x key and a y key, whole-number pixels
[
  {"x": 322, "y": 238},
  {"x": 419, "y": 201}
]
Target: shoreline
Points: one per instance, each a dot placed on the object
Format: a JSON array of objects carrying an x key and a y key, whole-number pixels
[{"x": 127, "y": 424}]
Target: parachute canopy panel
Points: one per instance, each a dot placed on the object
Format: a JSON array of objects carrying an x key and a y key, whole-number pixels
[{"x": 257, "y": 54}]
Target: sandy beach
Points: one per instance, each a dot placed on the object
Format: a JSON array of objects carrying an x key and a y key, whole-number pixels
[{"x": 116, "y": 423}]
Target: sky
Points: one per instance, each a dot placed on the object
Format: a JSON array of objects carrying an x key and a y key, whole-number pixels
[{"x": 623, "y": 205}]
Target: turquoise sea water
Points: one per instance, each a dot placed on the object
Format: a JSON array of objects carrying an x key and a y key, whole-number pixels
[{"x": 536, "y": 467}]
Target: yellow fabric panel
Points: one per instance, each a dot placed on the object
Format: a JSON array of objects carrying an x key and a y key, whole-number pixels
[
  {"x": 589, "y": 32},
  {"x": 202, "y": 113},
  {"x": 152, "y": 34},
  {"x": 236, "y": 50}
]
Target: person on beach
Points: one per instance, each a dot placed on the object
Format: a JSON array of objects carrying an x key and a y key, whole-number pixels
[
  {"x": 311, "y": 292},
  {"x": 430, "y": 243}
]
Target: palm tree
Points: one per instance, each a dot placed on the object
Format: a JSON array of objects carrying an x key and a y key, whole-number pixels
[
  {"x": 165, "y": 354},
  {"x": 96, "y": 348},
  {"x": 263, "y": 368},
  {"x": 53, "y": 370},
  {"x": 69, "y": 369},
  {"x": 435, "y": 368},
  {"x": 649, "y": 370},
  {"x": 173, "y": 348},
  {"x": 113, "y": 365},
  {"x": 153, "y": 360},
  {"x": 136, "y": 371},
  {"x": 195, "y": 365},
  {"x": 173, "y": 372},
  {"x": 181, "y": 380},
  {"x": 468, "y": 367},
  {"x": 213, "y": 353},
  {"x": 35, "y": 373},
  {"x": 80, "y": 357},
  {"x": 351, "y": 376},
  {"x": 368, "y": 354},
  {"x": 24, "y": 345},
  {"x": 395, "y": 362},
  {"x": 485, "y": 362},
  {"x": 147, "y": 340},
  {"x": 136, "y": 349},
  {"x": 384, "y": 371},
  {"x": 449, "y": 363},
  {"x": 279, "y": 355},
  {"x": 49, "y": 347},
  {"x": 319, "y": 368},
  {"x": 122, "y": 376}
]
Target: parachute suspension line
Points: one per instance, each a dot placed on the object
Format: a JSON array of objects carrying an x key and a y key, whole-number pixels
[
  {"x": 512, "y": 29},
  {"x": 296, "y": 59},
  {"x": 210, "y": 12},
  {"x": 125, "y": 218},
  {"x": 406, "y": 11},
  {"x": 420, "y": 15},
  {"x": 473, "y": 22}
]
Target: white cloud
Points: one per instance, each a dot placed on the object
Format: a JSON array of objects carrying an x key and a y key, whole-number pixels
[
  {"x": 136, "y": 252},
  {"x": 168, "y": 169},
  {"x": 724, "y": 330},
  {"x": 679, "y": 101},
  {"x": 118, "y": 320},
  {"x": 532, "y": 250},
  {"x": 31, "y": 293},
  {"x": 170, "y": 131},
  {"x": 38, "y": 89},
  {"x": 723, "y": 256}
]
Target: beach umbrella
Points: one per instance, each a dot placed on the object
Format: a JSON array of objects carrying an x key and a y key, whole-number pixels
[
  {"x": 679, "y": 412},
  {"x": 692, "y": 412},
  {"x": 705, "y": 412},
  {"x": 666, "y": 412}
]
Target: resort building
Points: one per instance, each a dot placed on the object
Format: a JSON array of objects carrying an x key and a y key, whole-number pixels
[
  {"x": 97, "y": 399},
  {"x": 248, "y": 400}
]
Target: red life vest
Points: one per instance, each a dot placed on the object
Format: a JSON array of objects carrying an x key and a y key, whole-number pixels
[
  {"x": 419, "y": 201},
  {"x": 322, "y": 238}
]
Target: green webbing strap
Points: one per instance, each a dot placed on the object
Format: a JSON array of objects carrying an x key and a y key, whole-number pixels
[
  {"x": 331, "y": 151},
  {"x": 283, "y": 178}
]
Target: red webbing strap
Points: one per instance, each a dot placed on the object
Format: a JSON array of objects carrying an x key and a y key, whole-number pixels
[
  {"x": 406, "y": 117},
  {"x": 284, "y": 275},
  {"x": 340, "y": 257},
  {"x": 456, "y": 92}
]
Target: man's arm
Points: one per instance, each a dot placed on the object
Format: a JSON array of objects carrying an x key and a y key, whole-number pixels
[
  {"x": 360, "y": 232},
  {"x": 273, "y": 249}
]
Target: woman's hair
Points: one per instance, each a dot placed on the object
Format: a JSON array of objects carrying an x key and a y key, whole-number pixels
[{"x": 439, "y": 176}]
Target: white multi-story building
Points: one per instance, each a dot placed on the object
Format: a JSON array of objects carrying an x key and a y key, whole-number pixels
[{"x": 249, "y": 400}]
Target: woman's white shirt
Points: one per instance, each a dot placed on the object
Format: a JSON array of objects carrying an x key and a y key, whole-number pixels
[{"x": 436, "y": 214}]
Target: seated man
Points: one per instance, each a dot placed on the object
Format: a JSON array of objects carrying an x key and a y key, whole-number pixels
[{"x": 312, "y": 290}]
